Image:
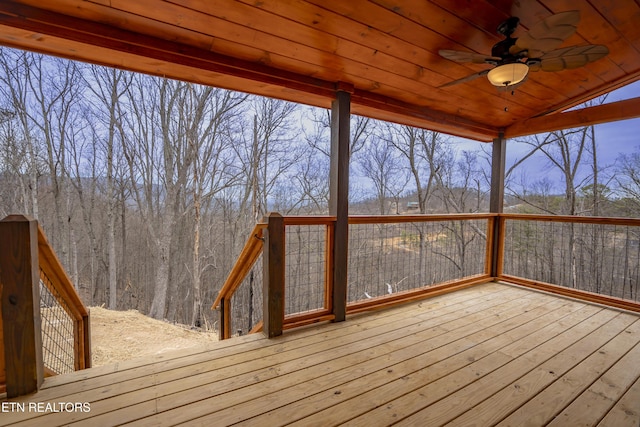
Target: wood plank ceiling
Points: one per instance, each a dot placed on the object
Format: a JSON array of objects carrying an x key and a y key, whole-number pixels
[{"x": 383, "y": 51}]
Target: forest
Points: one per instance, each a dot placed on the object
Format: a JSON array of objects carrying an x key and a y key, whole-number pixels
[{"x": 148, "y": 187}]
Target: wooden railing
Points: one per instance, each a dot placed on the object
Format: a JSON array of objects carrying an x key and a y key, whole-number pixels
[
  {"x": 592, "y": 258},
  {"x": 513, "y": 252},
  {"x": 37, "y": 297},
  {"x": 269, "y": 240},
  {"x": 247, "y": 258}
]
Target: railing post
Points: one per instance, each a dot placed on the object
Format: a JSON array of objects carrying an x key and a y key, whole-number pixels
[
  {"x": 339, "y": 197},
  {"x": 20, "y": 293},
  {"x": 497, "y": 253},
  {"x": 328, "y": 259},
  {"x": 86, "y": 341},
  {"x": 222, "y": 321},
  {"x": 496, "y": 201},
  {"x": 273, "y": 276}
]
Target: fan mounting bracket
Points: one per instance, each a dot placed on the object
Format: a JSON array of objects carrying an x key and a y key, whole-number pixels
[{"x": 507, "y": 27}]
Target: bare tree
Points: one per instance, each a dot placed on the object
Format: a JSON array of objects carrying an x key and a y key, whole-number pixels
[
  {"x": 422, "y": 150},
  {"x": 15, "y": 67},
  {"x": 158, "y": 168},
  {"x": 56, "y": 86},
  {"x": 209, "y": 113},
  {"x": 565, "y": 151},
  {"x": 459, "y": 182},
  {"x": 318, "y": 138},
  {"x": 309, "y": 184},
  {"x": 628, "y": 180},
  {"x": 108, "y": 87},
  {"x": 381, "y": 165}
]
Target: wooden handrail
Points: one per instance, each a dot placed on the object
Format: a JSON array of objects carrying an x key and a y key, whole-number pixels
[
  {"x": 309, "y": 220},
  {"x": 252, "y": 250},
  {"x": 52, "y": 268},
  {"x": 573, "y": 219},
  {"x": 390, "y": 219},
  {"x": 248, "y": 256}
]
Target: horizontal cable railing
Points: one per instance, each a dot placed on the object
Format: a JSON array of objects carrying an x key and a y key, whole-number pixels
[
  {"x": 591, "y": 254},
  {"x": 45, "y": 325}
]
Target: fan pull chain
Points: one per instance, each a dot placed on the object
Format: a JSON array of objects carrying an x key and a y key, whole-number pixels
[{"x": 506, "y": 107}]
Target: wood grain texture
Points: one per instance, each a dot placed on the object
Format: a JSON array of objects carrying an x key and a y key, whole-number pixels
[
  {"x": 573, "y": 293},
  {"x": 273, "y": 274},
  {"x": 484, "y": 355},
  {"x": 588, "y": 116},
  {"x": 26, "y": 257},
  {"x": 20, "y": 299},
  {"x": 3, "y": 378},
  {"x": 248, "y": 256},
  {"x": 339, "y": 200},
  {"x": 301, "y": 50}
]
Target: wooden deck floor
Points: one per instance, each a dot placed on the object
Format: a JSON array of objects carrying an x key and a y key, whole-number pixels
[{"x": 489, "y": 355}]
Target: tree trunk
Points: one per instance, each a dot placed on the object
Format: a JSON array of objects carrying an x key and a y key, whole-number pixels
[{"x": 161, "y": 285}]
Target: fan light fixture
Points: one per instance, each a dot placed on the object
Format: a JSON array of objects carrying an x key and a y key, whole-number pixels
[{"x": 508, "y": 74}]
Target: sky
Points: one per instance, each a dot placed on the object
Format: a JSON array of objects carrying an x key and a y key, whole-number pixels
[{"x": 614, "y": 139}]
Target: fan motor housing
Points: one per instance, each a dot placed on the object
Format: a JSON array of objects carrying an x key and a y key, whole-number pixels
[{"x": 501, "y": 49}]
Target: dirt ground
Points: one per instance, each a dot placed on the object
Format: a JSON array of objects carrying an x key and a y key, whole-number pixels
[{"x": 122, "y": 335}]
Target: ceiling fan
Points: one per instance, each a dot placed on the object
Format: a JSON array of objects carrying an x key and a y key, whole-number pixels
[{"x": 536, "y": 50}]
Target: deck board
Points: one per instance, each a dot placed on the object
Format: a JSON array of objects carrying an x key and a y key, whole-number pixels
[
  {"x": 492, "y": 354},
  {"x": 626, "y": 412}
]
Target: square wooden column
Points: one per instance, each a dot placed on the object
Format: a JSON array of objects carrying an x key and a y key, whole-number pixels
[
  {"x": 339, "y": 199},
  {"x": 496, "y": 201},
  {"x": 273, "y": 276},
  {"x": 20, "y": 295}
]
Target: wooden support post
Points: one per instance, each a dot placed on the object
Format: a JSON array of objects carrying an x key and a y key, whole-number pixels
[
  {"x": 496, "y": 201},
  {"x": 86, "y": 335},
  {"x": 223, "y": 330},
  {"x": 20, "y": 293},
  {"x": 82, "y": 343},
  {"x": 273, "y": 276},
  {"x": 339, "y": 199},
  {"x": 328, "y": 271}
]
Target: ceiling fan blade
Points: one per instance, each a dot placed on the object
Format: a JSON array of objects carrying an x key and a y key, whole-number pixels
[
  {"x": 572, "y": 57},
  {"x": 460, "y": 56},
  {"x": 547, "y": 35},
  {"x": 466, "y": 79}
]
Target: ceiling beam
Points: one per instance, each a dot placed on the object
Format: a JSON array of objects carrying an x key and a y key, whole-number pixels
[
  {"x": 89, "y": 33},
  {"x": 418, "y": 116},
  {"x": 77, "y": 39},
  {"x": 620, "y": 110}
]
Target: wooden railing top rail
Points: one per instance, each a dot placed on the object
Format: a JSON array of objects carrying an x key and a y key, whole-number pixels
[
  {"x": 246, "y": 259},
  {"x": 574, "y": 219},
  {"x": 52, "y": 268},
  {"x": 387, "y": 219},
  {"x": 309, "y": 220}
]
